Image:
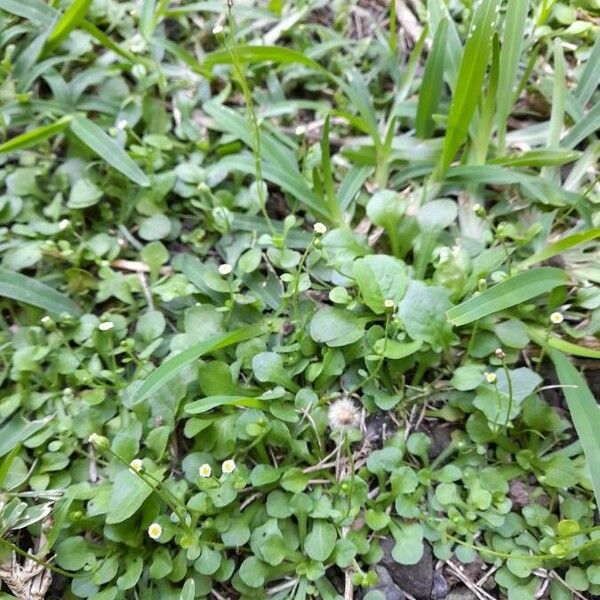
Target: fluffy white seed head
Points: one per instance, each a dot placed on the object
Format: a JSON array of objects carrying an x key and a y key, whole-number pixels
[{"x": 343, "y": 415}]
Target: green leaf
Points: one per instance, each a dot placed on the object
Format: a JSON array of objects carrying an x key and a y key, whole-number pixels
[
  {"x": 335, "y": 327},
  {"x": 590, "y": 76},
  {"x": 20, "y": 288},
  {"x": 380, "y": 277},
  {"x": 128, "y": 493},
  {"x": 510, "y": 55},
  {"x": 32, "y": 10},
  {"x": 432, "y": 84},
  {"x": 537, "y": 158},
  {"x": 538, "y": 335},
  {"x": 34, "y": 136},
  {"x": 18, "y": 430},
  {"x": 175, "y": 365},
  {"x": 254, "y": 54},
  {"x": 100, "y": 143},
  {"x": 69, "y": 20},
  {"x": 409, "y": 546},
  {"x": 422, "y": 311},
  {"x": 205, "y": 404},
  {"x": 560, "y": 246},
  {"x": 510, "y": 292},
  {"x": 470, "y": 78},
  {"x": 320, "y": 542},
  {"x": 583, "y": 128},
  {"x": 189, "y": 590}
]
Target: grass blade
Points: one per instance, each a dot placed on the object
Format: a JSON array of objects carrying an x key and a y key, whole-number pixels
[
  {"x": 538, "y": 335},
  {"x": 100, "y": 143},
  {"x": 560, "y": 246},
  {"x": 332, "y": 201},
  {"x": 585, "y": 414},
  {"x": 205, "y": 404},
  {"x": 32, "y": 10},
  {"x": 469, "y": 82},
  {"x": 510, "y": 53},
  {"x": 583, "y": 128},
  {"x": 177, "y": 363},
  {"x": 20, "y": 288},
  {"x": 69, "y": 20},
  {"x": 537, "y": 158},
  {"x": 255, "y": 54},
  {"x": 510, "y": 292},
  {"x": 433, "y": 80},
  {"x": 438, "y": 12},
  {"x": 590, "y": 78},
  {"x": 34, "y": 136}
]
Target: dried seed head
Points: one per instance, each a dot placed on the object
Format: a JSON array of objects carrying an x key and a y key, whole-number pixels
[{"x": 343, "y": 415}]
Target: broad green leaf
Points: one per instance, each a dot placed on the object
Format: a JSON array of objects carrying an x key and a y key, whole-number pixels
[
  {"x": 20, "y": 288},
  {"x": 560, "y": 246},
  {"x": 18, "y": 430},
  {"x": 105, "y": 147},
  {"x": 176, "y": 364},
  {"x": 320, "y": 542},
  {"x": 189, "y": 590},
  {"x": 335, "y": 327},
  {"x": 585, "y": 414},
  {"x": 510, "y": 54},
  {"x": 34, "y": 136},
  {"x": 510, "y": 292},
  {"x": 68, "y": 21},
  {"x": 432, "y": 84},
  {"x": 205, "y": 404},
  {"x": 128, "y": 493},
  {"x": 409, "y": 547},
  {"x": 380, "y": 277},
  {"x": 470, "y": 78}
]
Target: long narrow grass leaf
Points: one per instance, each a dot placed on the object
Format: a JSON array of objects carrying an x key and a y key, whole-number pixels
[
  {"x": 68, "y": 21},
  {"x": 585, "y": 414},
  {"x": 32, "y": 10},
  {"x": 20, "y": 288},
  {"x": 589, "y": 80},
  {"x": 205, "y": 404},
  {"x": 35, "y": 136},
  {"x": 510, "y": 292},
  {"x": 105, "y": 147},
  {"x": 560, "y": 246},
  {"x": 433, "y": 80},
  {"x": 177, "y": 363},
  {"x": 583, "y": 128},
  {"x": 470, "y": 79}
]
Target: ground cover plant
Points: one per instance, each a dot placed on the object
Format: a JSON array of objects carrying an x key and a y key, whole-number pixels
[{"x": 299, "y": 299}]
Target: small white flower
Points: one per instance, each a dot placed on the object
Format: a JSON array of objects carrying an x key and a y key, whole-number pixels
[
  {"x": 225, "y": 269},
  {"x": 204, "y": 470},
  {"x": 320, "y": 228},
  {"x": 389, "y": 303},
  {"x": 557, "y": 317},
  {"x": 136, "y": 465},
  {"x": 106, "y": 326},
  {"x": 228, "y": 466},
  {"x": 300, "y": 130},
  {"x": 63, "y": 224},
  {"x": 477, "y": 207},
  {"x": 218, "y": 29},
  {"x": 122, "y": 124},
  {"x": 155, "y": 531},
  {"x": 500, "y": 353},
  {"x": 343, "y": 415},
  {"x": 491, "y": 377},
  {"x": 47, "y": 320}
]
